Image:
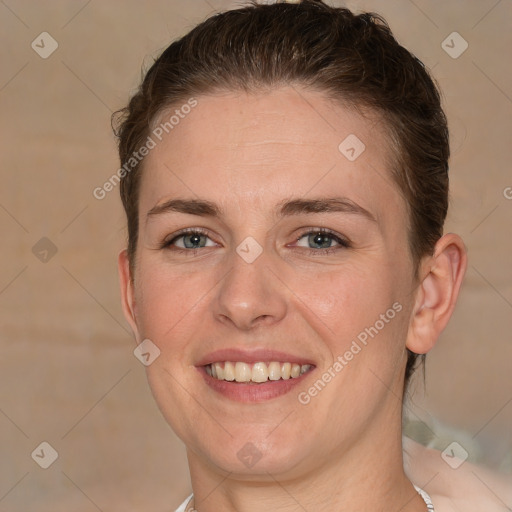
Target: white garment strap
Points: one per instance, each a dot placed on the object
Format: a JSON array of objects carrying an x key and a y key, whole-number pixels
[
  {"x": 426, "y": 499},
  {"x": 184, "y": 505}
]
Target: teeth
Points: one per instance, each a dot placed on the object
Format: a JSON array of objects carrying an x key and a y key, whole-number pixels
[
  {"x": 274, "y": 371},
  {"x": 286, "y": 370},
  {"x": 242, "y": 372},
  {"x": 229, "y": 371},
  {"x": 295, "y": 371},
  {"x": 257, "y": 372},
  {"x": 219, "y": 371}
]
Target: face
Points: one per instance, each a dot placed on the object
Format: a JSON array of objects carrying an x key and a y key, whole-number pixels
[{"x": 262, "y": 240}]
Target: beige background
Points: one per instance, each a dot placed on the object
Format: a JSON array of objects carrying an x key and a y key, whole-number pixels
[{"x": 68, "y": 374}]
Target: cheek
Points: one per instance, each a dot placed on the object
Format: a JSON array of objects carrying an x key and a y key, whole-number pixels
[
  {"x": 165, "y": 300},
  {"x": 344, "y": 302}
]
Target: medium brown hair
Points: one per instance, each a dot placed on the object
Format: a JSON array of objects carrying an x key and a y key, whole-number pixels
[{"x": 351, "y": 58}]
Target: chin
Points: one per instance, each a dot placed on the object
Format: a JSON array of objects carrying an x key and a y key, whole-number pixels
[{"x": 258, "y": 459}]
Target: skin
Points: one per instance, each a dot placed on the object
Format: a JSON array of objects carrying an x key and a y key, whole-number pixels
[
  {"x": 469, "y": 488},
  {"x": 248, "y": 154}
]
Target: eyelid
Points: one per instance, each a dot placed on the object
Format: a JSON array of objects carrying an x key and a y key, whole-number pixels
[
  {"x": 340, "y": 239},
  {"x": 182, "y": 232}
]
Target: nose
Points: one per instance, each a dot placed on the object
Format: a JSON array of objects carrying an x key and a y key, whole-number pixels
[{"x": 250, "y": 295}]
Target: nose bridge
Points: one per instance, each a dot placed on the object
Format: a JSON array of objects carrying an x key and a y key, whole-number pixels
[{"x": 249, "y": 293}]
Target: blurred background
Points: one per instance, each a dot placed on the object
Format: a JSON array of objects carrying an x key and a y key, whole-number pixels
[{"x": 67, "y": 370}]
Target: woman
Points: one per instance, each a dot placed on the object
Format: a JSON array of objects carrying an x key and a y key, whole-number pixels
[{"x": 284, "y": 175}]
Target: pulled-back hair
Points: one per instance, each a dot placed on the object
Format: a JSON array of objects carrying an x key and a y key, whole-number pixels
[{"x": 351, "y": 58}]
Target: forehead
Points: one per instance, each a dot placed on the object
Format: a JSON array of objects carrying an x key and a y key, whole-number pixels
[{"x": 241, "y": 149}]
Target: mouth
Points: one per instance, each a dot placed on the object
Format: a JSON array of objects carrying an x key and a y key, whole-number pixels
[
  {"x": 255, "y": 373},
  {"x": 256, "y": 381}
]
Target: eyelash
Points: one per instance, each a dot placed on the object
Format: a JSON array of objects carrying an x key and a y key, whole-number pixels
[{"x": 343, "y": 242}]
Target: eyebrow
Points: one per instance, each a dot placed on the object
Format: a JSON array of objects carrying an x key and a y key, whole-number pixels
[{"x": 285, "y": 208}]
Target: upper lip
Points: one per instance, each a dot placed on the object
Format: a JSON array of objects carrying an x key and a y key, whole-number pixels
[{"x": 255, "y": 355}]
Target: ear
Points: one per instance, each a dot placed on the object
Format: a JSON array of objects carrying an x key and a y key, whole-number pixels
[
  {"x": 437, "y": 293},
  {"x": 127, "y": 292}
]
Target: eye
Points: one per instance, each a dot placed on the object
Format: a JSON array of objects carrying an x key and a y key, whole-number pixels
[
  {"x": 189, "y": 239},
  {"x": 322, "y": 239},
  {"x": 317, "y": 240}
]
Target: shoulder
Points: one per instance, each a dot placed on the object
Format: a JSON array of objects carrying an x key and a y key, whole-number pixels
[{"x": 455, "y": 485}]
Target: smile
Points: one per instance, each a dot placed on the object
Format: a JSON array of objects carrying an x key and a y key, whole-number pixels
[{"x": 259, "y": 372}]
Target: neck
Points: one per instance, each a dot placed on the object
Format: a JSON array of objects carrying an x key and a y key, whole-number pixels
[{"x": 367, "y": 476}]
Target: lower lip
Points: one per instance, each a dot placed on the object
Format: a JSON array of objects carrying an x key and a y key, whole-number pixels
[{"x": 252, "y": 392}]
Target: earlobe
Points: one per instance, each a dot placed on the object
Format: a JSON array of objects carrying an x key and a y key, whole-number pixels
[
  {"x": 127, "y": 291},
  {"x": 437, "y": 293}
]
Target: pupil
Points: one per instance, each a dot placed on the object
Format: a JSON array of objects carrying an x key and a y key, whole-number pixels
[
  {"x": 194, "y": 241},
  {"x": 321, "y": 240}
]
